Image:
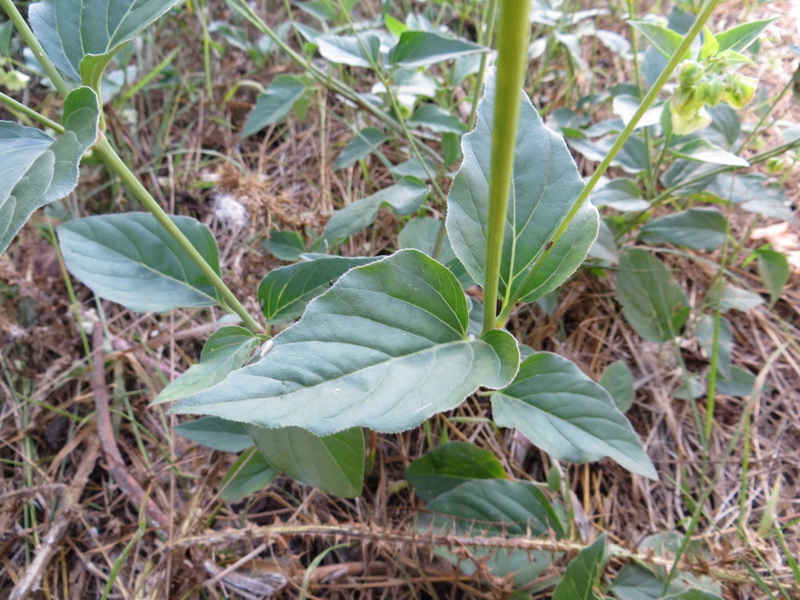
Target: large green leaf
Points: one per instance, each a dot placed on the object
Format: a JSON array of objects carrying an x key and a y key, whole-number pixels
[
  {"x": 545, "y": 184},
  {"x": 333, "y": 464},
  {"x": 81, "y": 36},
  {"x": 449, "y": 465},
  {"x": 130, "y": 258},
  {"x": 423, "y": 48},
  {"x": 226, "y": 349},
  {"x": 35, "y": 169},
  {"x": 386, "y": 347},
  {"x": 285, "y": 291},
  {"x": 582, "y": 573},
  {"x": 568, "y": 415},
  {"x": 403, "y": 198},
  {"x": 651, "y": 299}
]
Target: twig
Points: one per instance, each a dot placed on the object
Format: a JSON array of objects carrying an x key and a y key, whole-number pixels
[
  {"x": 33, "y": 575},
  {"x": 434, "y": 539},
  {"x": 116, "y": 465}
]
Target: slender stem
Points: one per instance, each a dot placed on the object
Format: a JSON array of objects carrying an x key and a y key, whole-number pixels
[
  {"x": 30, "y": 39},
  {"x": 29, "y": 112},
  {"x": 487, "y": 41},
  {"x": 512, "y": 45},
  {"x": 778, "y": 98},
  {"x": 646, "y": 103},
  {"x": 104, "y": 149}
]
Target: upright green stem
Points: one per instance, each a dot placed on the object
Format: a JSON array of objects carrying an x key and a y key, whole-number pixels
[
  {"x": 512, "y": 46},
  {"x": 30, "y": 39},
  {"x": 104, "y": 150},
  {"x": 626, "y": 133}
]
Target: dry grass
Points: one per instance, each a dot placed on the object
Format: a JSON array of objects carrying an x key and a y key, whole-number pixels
[{"x": 69, "y": 527}]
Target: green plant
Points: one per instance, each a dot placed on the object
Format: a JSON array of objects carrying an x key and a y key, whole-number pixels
[{"x": 383, "y": 342}]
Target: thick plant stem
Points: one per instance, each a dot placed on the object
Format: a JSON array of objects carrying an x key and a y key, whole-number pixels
[
  {"x": 30, "y": 39},
  {"x": 115, "y": 163},
  {"x": 626, "y": 133},
  {"x": 512, "y": 44}
]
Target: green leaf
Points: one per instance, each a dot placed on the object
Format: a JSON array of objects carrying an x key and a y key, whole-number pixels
[
  {"x": 773, "y": 267},
  {"x": 436, "y": 119},
  {"x": 664, "y": 40},
  {"x": 725, "y": 125},
  {"x": 403, "y": 198},
  {"x": 449, "y": 465},
  {"x": 651, "y": 299},
  {"x": 320, "y": 9},
  {"x": 697, "y": 228},
  {"x": 705, "y": 337},
  {"x": 620, "y": 194},
  {"x": 704, "y": 151},
  {"x": 501, "y": 508},
  {"x": 81, "y": 36},
  {"x": 631, "y": 159},
  {"x": 740, "y": 383},
  {"x": 274, "y": 104},
  {"x": 545, "y": 184},
  {"x": 364, "y": 143},
  {"x": 35, "y": 169},
  {"x": 740, "y": 37},
  {"x": 635, "y": 582},
  {"x": 605, "y": 247},
  {"x": 423, "y": 48},
  {"x": 249, "y": 474},
  {"x": 386, "y": 347},
  {"x": 333, "y": 464},
  {"x": 217, "y": 434},
  {"x": 285, "y": 245},
  {"x": 284, "y": 292},
  {"x": 414, "y": 168},
  {"x": 394, "y": 26},
  {"x": 130, "y": 259},
  {"x": 348, "y": 50},
  {"x": 582, "y": 573},
  {"x": 735, "y": 298},
  {"x": 568, "y": 415},
  {"x": 226, "y": 349},
  {"x": 710, "y": 45},
  {"x": 495, "y": 506},
  {"x": 617, "y": 379}
]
